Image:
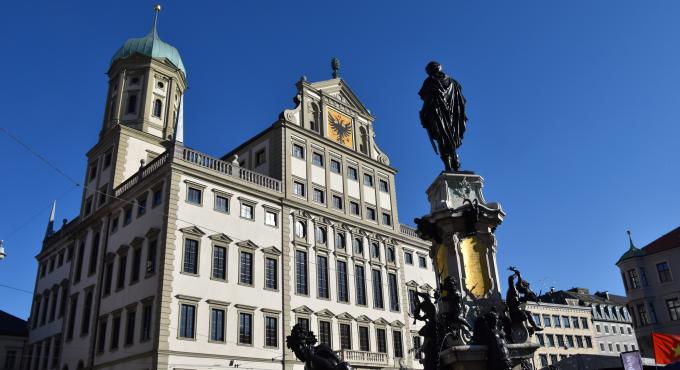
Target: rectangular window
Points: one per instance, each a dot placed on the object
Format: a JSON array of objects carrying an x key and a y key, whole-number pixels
[
  {"x": 664, "y": 272},
  {"x": 546, "y": 321},
  {"x": 245, "y": 328},
  {"x": 107, "y": 159},
  {"x": 136, "y": 264},
  {"x": 247, "y": 211},
  {"x": 394, "y": 295},
  {"x": 127, "y": 216},
  {"x": 579, "y": 341},
  {"x": 108, "y": 277},
  {"x": 354, "y": 208},
  {"x": 589, "y": 342},
  {"x": 146, "y": 323},
  {"x": 345, "y": 336},
  {"x": 364, "y": 340},
  {"x": 190, "y": 265},
  {"x": 122, "y": 265},
  {"x": 298, "y": 151},
  {"x": 575, "y": 322},
  {"x": 194, "y": 195},
  {"x": 271, "y": 335},
  {"x": 343, "y": 294},
  {"x": 556, "y": 321},
  {"x": 383, "y": 186},
  {"x": 317, "y": 159},
  {"x": 325, "y": 333},
  {"x": 408, "y": 257},
  {"x": 217, "y": 325},
  {"x": 271, "y": 273},
  {"x": 271, "y": 218},
  {"x": 368, "y": 180},
  {"x": 335, "y": 166},
  {"x": 370, "y": 213},
  {"x": 387, "y": 219},
  {"x": 187, "y": 321},
  {"x": 381, "y": 340},
  {"x": 570, "y": 341},
  {"x": 642, "y": 312},
  {"x": 114, "y": 224},
  {"x": 584, "y": 323},
  {"x": 377, "y": 289},
  {"x": 246, "y": 268},
  {"x": 93, "y": 172},
  {"x": 298, "y": 188},
  {"x": 260, "y": 157},
  {"x": 322, "y": 276},
  {"x": 130, "y": 327},
  {"x": 422, "y": 262},
  {"x": 565, "y": 322},
  {"x": 633, "y": 278},
  {"x": 352, "y": 173},
  {"x": 221, "y": 204},
  {"x": 412, "y": 300},
  {"x": 94, "y": 253},
  {"x": 398, "y": 346},
  {"x": 319, "y": 196},
  {"x": 101, "y": 340},
  {"x": 301, "y": 272},
  {"x": 360, "y": 284},
  {"x": 157, "y": 198},
  {"x": 151, "y": 257},
  {"x": 551, "y": 340},
  {"x": 219, "y": 268},
  {"x": 87, "y": 311},
  {"x": 71, "y": 317},
  {"x": 673, "y": 306},
  {"x": 303, "y": 322},
  {"x": 115, "y": 332},
  {"x": 337, "y": 202},
  {"x": 141, "y": 206}
]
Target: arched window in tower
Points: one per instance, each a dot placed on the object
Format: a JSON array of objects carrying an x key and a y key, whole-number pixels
[
  {"x": 363, "y": 140},
  {"x": 132, "y": 104},
  {"x": 314, "y": 118},
  {"x": 157, "y": 107}
]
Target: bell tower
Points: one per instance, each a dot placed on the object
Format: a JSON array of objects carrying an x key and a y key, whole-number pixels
[{"x": 142, "y": 114}]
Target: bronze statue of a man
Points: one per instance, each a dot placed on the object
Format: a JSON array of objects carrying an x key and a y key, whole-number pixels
[{"x": 443, "y": 114}]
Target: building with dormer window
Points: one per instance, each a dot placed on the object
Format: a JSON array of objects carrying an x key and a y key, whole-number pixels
[{"x": 183, "y": 260}]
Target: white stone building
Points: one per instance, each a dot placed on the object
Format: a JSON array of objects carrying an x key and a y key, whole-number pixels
[{"x": 181, "y": 260}]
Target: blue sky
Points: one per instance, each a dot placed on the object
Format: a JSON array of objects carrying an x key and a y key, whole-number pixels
[{"x": 573, "y": 108}]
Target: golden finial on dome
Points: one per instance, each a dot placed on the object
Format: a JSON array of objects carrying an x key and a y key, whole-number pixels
[{"x": 157, "y": 8}]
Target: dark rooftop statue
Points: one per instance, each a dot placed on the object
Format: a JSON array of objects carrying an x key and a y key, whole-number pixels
[{"x": 443, "y": 114}]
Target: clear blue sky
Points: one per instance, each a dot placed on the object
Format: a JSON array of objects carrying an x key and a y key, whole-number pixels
[{"x": 573, "y": 108}]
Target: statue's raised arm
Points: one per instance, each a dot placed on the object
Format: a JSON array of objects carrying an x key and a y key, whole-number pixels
[{"x": 443, "y": 114}]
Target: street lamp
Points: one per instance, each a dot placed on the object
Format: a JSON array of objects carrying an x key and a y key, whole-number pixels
[{"x": 2, "y": 250}]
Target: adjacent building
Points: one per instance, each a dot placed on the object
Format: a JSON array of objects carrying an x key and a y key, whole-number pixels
[
  {"x": 567, "y": 331},
  {"x": 182, "y": 260},
  {"x": 610, "y": 318},
  {"x": 649, "y": 275},
  {"x": 13, "y": 335}
]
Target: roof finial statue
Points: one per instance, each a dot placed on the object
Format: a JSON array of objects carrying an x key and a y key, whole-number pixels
[
  {"x": 443, "y": 114},
  {"x": 335, "y": 65},
  {"x": 630, "y": 239}
]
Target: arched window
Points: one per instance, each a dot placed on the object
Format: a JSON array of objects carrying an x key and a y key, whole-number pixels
[
  {"x": 340, "y": 240},
  {"x": 363, "y": 140},
  {"x": 132, "y": 104},
  {"x": 358, "y": 246},
  {"x": 321, "y": 235},
  {"x": 375, "y": 250},
  {"x": 157, "y": 107},
  {"x": 300, "y": 229},
  {"x": 314, "y": 121},
  {"x": 391, "y": 257}
]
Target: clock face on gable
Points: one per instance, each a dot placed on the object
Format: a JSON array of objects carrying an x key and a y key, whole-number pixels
[{"x": 340, "y": 128}]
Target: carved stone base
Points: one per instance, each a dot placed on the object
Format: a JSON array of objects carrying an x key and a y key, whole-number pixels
[{"x": 474, "y": 357}]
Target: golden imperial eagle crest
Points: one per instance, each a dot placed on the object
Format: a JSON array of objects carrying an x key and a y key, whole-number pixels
[{"x": 340, "y": 128}]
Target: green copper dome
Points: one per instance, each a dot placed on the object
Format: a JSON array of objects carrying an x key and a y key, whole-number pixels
[{"x": 150, "y": 45}]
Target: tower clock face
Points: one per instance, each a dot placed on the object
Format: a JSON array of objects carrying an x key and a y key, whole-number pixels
[{"x": 340, "y": 128}]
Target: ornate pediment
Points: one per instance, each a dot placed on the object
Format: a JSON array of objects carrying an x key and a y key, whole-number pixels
[
  {"x": 137, "y": 241},
  {"x": 272, "y": 250},
  {"x": 364, "y": 319},
  {"x": 322, "y": 220},
  {"x": 303, "y": 310},
  {"x": 345, "y": 316},
  {"x": 221, "y": 238},
  {"x": 192, "y": 230},
  {"x": 153, "y": 232},
  {"x": 397, "y": 324},
  {"x": 426, "y": 287},
  {"x": 325, "y": 313},
  {"x": 412, "y": 284},
  {"x": 381, "y": 322},
  {"x": 247, "y": 244},
  {"x": 337, "y": 94},
  {"x": 302, "y": 214}
]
